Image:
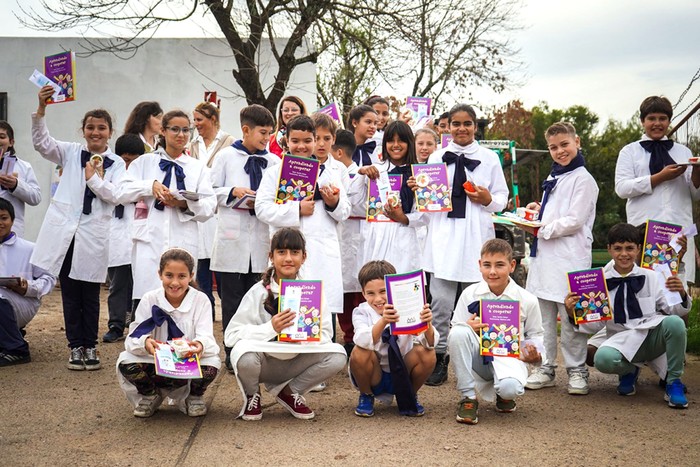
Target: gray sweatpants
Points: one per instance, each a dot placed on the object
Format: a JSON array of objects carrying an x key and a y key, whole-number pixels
[
  {"x": 573, "y": 344},
  {"x": 305, "y": 370}
]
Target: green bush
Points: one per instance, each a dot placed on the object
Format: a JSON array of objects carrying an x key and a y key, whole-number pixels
[{"x": 694, "y": 328}]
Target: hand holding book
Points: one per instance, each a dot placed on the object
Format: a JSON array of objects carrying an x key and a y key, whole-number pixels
[{"x": 283, "y": 320}]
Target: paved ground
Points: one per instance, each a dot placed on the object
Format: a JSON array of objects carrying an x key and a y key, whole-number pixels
[{"x": 53, "y": 416}]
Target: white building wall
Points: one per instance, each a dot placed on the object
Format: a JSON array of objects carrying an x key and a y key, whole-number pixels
[{"x": 174, "y": 72}]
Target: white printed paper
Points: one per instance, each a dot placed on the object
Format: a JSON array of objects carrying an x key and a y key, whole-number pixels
[
  {"x": 40, "y": 80},
  {"x": 664, "y": 272}
]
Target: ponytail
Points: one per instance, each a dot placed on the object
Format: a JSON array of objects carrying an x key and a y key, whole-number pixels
[{"x": 269, "y": 303}]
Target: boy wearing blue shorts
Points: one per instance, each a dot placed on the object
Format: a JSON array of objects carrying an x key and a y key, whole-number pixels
[{"x": 370, "y": 369}]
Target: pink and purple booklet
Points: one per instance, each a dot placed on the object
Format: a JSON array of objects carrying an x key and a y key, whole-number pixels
[
  {"x": 303, "y": 298},
  {"x": 169, "y": 365},
  {"x": 594, "y": 304},
  {"x": 445, "y": 139},
  {"x": 333, "y": 111},
  {"x": 297, "y": 179},
  {"x": 60, "y": 69},
  {"x": 407, "y": 293},
  {"x": 378, "y": 195},
  {"x": 433, "y": 193},
  {"x": 502, "y": 336},
  {"x": 657, "y": 247},
  {"x": 420, "y": 108}
]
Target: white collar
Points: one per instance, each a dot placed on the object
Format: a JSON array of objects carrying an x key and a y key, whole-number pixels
[{"x": 184, "y": 307}]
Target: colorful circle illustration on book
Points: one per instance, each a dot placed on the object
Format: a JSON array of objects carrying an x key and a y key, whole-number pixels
[
  {"x": 423, "y": 180},
  {"x": 96, "y": 160}
]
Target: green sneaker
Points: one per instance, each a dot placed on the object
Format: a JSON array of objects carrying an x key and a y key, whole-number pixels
[
  {"x": 468, "y": 411},
  {"x": 504, "y": 406}
]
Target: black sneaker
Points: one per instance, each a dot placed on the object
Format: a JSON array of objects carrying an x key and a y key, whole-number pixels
[
  {"x": 91, "y": 359},
  {"x": 439, "y": 375},
  {"x": 76, "y": 361},
  {"x": 227, "y": 362},
  {"x": 7, "y": 359},
  {"x": 113, "y": 335}
]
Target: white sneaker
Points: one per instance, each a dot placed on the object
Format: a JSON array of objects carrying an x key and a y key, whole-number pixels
[
  {"x": 319, "y": 387},
  {"x": 148, "y": 406},
  {"x": 578, "y": 384},
  {"x": 539, "y": 379},
  {"x": 196, "y": 406}
]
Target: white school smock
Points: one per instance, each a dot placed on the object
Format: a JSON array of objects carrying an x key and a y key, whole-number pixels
[
  {"x": 193, "y": 318},
  {"x": 530, "y": 329},
  {"x": 14, "y": 261},
  {"x": 240, "y": 240},
  {"x": 350, "y": 234},
  {"x": 171, "y": 227},
  {"x": 199, "y": 150},
  {"x": 671, "y": 201},
  {"x": 120, "y": 241},
  {"x": 565, "y": 239},
  {"x": 27, "y": 191},
  {"x": 363, "y": 320},
  {"x": 320, "y": 229},
  {"x": 389, "y": 241},
  {"x": 628, "y": 337},
  {"x": 452, "y": 246},
  {"x": 64, "y": 221},
  {"x": 250, "y": 330}
]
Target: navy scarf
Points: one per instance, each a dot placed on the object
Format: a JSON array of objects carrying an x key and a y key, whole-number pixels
[
  {"x": 317, "y": 190},
  {"x": 88, "y": 196},
  {"x": 158, "y": 317},
  {"x": 254, "y": 167},
  {"x": 400, "y": 377},
  {"x": 660, "y": 157},
  {"x": 459, "y": 197},
  {"x": 549, "y": 184},
  {"x": 167, "y": 166},
  {"x": 9, "y": 237},
  {"x": 626, "y": 295},
  {"x": 406, "y": 194},
  {"x": 362, "y": 153}
]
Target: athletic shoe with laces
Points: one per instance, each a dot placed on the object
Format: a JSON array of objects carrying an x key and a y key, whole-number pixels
[
  {"x": 505, "y": 406},
  {"x": 675, "y": 395},
  {"x": 365, "y": 405},
  {"x": 113, "y": 335},
  {"x": 296, "y": 405},
  {"x": 628, "y": 383},
  {"x": 7, "y": 359},
  {"x": 148, "y": 405},
  {"x": 76, "y": 361},
  {"x": 91, "y": 359},
  {"x": 439, "y": 375},
  {"x": 539, "y": 379},
  {"x": 195, "y": 406},
  {"x": 252, "y": 410},
  {"x": 468, "y": 411},
  {"x": 578, "y": 384}
]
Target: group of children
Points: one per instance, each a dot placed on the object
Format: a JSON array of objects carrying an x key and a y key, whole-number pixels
[{"x": 161, "y": 199}]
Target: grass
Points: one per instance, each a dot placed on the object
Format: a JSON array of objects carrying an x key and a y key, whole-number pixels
[{"x": 694, "y": 328}]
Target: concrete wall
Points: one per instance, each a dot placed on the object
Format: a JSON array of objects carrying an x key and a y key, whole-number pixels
[{"x": 174, "y": 72}]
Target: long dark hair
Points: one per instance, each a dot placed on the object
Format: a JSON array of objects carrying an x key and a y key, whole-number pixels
[
  {"x": 286, "y": 238},
  {"x": 405, "y": 134},
  {"x": 139, "y": 116}
]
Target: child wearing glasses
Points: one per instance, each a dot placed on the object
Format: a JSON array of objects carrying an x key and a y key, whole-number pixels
[{"x": 163, "y": 217}]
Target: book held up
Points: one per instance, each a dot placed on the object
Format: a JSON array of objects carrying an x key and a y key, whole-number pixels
[
  {"x": 407, "y": 293},
  {"x": 594, "y": 304},
  {"x": 297, "y": 179},
  {"x": 304, "y": 299},
  {"x": 501, "y": 337}
]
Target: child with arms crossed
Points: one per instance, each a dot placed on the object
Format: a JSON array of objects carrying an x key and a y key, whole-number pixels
[
  {"x": 504, "y": 376},
  {"x": 370, "y": 362},
  {"x": 237, "y": 173},
  {"x": 174, "y": 310},
  {"x": 288, "y": 370},
  {"x": 562, "y": 244},
  {"x": 73, "y": 240},
  {"x": 638, "y": 333}
]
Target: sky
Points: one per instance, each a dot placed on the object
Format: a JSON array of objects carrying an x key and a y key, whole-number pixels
[{"x": 606, "y": 55}]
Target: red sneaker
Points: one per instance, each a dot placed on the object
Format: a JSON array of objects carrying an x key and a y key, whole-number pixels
[
  {"x": 296, "y": 405},
  {"x": 253, "y": 411}
]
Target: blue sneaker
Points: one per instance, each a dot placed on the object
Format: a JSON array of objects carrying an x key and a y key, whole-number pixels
[
  {"x": 365, "y": 406},
  {"x": 628, "y": 382},
  {"x": 420, "y": 411},
  {"x": 675, "y": 395}
]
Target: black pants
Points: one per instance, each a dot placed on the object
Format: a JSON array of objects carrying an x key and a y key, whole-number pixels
[
  {"x": 233, "y": 287},
  {"x": 81, "y": 306},
  {"x": 204, "y": 275},
  {"x": 11, "y": 340},
  {"x": 121, "y": 286}
]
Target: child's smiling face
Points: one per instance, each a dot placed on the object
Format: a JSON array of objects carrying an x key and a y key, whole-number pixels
[
  {"x": 462, "y": 128},
  {"x": 301, "y": 143},
  {"x": 656, "y": 125},
  {"x": 563, "y": 147},
  {"x": 374, "y": 292},
  {"x": 623, "y": 254},
  {"x": 495, "y": 270}
]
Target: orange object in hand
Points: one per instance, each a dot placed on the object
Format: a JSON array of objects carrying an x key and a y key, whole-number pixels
[{"x": 469, "y": 186}]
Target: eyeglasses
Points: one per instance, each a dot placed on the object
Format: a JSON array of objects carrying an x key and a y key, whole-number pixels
[{"x": 177, "y": 130}]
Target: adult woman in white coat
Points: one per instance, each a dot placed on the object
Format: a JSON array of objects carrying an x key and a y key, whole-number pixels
[
  {"x": 72, "y": 242},
  {"x": 163, "y": 218}
]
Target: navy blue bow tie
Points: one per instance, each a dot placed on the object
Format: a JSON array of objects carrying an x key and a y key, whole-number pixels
[
  {"x": 158, "y": 317},
  {"x": 459, "y": 197},
  {"x": 362, "y": 153},
  {"x": 660, "y": 157},
  {"x": 167, "y": 166},
  {"x": 88, "y": 195},
  {"x": 626, "y": 295}
]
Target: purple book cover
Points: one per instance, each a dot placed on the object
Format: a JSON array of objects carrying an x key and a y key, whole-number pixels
[
  {"x": 433, "y": 193},
  {"x": 303, "y": 298},
  {"x": 375, "y": 207},
  {"x": 594, "y": 304},
  {"x": 297, "y": 178},
  {"x": 407, "y": 293},
  {"x": 333, "y": 111},
  {"x": 502, "y": 336},
  {"x": 60, "y": 69},
  {"x": 657, "y": 248},
  {"x": 170, "y": 366},
  {"x": 445, "y": 140},
  {"x": 420, "y": 106}
]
